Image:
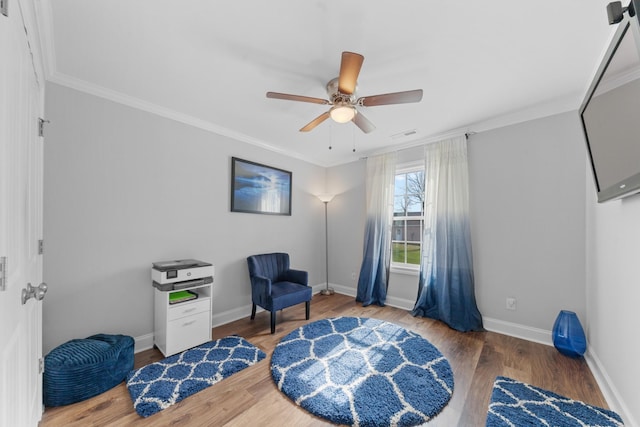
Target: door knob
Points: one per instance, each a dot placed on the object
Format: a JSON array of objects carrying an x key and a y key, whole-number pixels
[
  {"x": 33, "y": 292},
  {"x": 41, "y": 290}
]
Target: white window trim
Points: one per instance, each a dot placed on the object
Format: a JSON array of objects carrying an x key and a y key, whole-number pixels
[
  {"x": 402, "y": 268},
  {"x": 409, "y": 270},
  {"x": 410, "y": 166}
]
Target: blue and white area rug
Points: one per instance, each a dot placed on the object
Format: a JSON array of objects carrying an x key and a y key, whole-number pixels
[
  {"x": 514, "y": 403},
  {"x": 362, "y": 372},
  {"x": 161, "y": 384}
]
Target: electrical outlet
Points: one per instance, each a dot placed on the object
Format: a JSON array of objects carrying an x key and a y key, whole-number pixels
[
  {"x": 511, "y": 303},
  {"x": 353, "y": 275}
]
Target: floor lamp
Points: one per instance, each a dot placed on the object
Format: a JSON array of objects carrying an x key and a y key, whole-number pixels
[{"x": 326, "y": 198}]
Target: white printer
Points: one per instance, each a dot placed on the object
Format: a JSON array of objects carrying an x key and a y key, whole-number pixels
[{"x": 180, "y": 274}]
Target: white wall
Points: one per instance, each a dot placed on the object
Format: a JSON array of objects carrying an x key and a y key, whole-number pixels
[
  {"x": 125, "y": 188},
  {"x": 613, "y": 298}
]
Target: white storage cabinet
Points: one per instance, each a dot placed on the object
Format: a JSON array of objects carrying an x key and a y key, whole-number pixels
[{"x": 183, "y": 325}]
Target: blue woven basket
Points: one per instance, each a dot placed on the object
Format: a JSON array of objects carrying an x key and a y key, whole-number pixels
[{"x": 83, "y": 368}]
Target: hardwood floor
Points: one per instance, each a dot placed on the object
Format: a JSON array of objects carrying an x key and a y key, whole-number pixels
[{"x": 251, "y": 398}]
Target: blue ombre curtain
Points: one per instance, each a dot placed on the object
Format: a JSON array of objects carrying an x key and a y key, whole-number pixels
[
  {"x": 446, "y": 285},
  {"x": 374, "y": 273}
]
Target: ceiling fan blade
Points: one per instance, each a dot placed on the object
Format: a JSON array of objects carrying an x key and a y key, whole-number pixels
[
  {"x": 363, "y": 123},
  {"x": 287, "y": 97},
  {"x": 349, "y": 71},
  {"x": 391, "y": 98},
  {"x": 315, "y": 122}
]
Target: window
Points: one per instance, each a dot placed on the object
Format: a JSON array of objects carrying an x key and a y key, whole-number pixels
[{"x": 408, "y": 217}]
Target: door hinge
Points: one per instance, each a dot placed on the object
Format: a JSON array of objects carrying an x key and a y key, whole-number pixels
[
  {"x": 41, "y": 123},
  {"x": 40, "y": 247},
  {"x": 3, "y": 273},
  {"x": 4, "y": 7},
  {"x": 40, "y": 365}
]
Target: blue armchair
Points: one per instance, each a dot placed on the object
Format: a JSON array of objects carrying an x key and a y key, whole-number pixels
[{"x": 275, "y": 286}]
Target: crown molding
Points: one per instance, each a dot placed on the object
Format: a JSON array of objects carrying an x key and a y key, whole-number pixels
[
  {"x": 556, "y": 106},
  {"x": 552, "y": 107},
  {"x": 44, "y": 19},
  {"x": 31, "y": 26},
  {"x": 133, "y": 102},
  {"x": 47, "y": 60}
]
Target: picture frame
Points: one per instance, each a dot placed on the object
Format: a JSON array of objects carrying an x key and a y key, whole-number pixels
[{"x": 259, "y": 189}]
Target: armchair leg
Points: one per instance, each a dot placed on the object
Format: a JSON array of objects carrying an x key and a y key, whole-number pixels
[
  {"x": 307, "y": 306},
  {"x": 273, "y": 322},
  {"x": 253, "y": 312}
]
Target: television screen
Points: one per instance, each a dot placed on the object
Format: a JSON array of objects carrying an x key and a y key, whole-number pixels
[{"x": 610, "y": 118}]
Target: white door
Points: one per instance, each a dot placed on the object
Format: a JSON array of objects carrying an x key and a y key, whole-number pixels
[{"x": 21, "y": 169}]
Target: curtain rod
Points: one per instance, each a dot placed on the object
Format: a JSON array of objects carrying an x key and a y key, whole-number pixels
[{"x": 422, "y": 141}]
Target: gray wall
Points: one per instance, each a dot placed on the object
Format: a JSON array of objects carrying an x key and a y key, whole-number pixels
[
  {"x": 347, "y": 214},
  {"x": 528, "y": 220},
  {"x": 613, "y": 297},
  {"x": 527, "y": 210},
  {"x": 125, "y": 188}
]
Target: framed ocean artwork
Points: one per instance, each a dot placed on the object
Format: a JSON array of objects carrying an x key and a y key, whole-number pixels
[{"x": 260, "y": 189}]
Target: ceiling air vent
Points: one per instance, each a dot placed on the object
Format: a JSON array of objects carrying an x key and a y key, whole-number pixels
[{"x": 404, "y": 134}]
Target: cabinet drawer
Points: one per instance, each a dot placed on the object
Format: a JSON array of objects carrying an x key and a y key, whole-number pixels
[
  {"x": 188, "y": 332},
  {"x": 177, "y": 311}
]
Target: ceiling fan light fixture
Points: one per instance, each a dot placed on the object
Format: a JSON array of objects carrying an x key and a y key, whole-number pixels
[
  {"x": 341, "y": 92},
  {"x": 342, "y": 113}
]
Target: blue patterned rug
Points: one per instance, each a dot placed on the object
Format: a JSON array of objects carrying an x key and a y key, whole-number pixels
[
  {"x": 514, "y": 403},
  {"x": 362, "y": 372},
  {"x": 161, "y": 384}
]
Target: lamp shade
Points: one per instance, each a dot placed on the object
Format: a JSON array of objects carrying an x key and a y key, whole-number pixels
[
  {"x": 342, "y": 113},
  {"x": 326, "y": 198}
]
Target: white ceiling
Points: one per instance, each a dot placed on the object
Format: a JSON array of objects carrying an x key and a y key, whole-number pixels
[{"x": 210, "y": 63}]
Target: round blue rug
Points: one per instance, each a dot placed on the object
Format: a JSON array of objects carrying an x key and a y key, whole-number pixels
[{"x": 362, "y": 372}]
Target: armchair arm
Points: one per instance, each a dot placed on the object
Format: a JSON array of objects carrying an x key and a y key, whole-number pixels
[
  {"x": 297, "y": 276},
  {"x": 260, "y": 289}
]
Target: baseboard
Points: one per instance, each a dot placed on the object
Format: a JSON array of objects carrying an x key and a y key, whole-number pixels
[
  {"x": 232, "y": 315},
  {"x": 516, "y": 330},
  {"x": 528, "y": 333},
  {"x": 344, "y": 290},
  {"x": 219, "y": 319},
  {"x": 143, "y": 342},
  {"x": 610, "y": 393},
  {"x": 391, "y": 301},
  {"x": 542, "y": 336},
  {"x": 494, "y": 325},
  {"x": 402, "y": 303}
]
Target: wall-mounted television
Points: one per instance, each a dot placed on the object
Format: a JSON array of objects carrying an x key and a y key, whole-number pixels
[{"x": 610, "y": 113}]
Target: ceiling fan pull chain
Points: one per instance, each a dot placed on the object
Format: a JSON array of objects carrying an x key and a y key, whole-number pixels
[
  {"x": 353, "y": 138},
  {"x": 330, "y": 136}
]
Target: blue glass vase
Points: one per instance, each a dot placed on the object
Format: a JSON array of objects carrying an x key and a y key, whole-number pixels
[{"x": 568, "y": 335}]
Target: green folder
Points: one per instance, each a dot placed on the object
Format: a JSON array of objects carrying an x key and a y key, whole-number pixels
[{"x": 181, "y": 296}]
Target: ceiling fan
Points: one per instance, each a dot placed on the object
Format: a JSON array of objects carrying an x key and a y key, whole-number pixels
[{"x": 342, "y": 97}]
